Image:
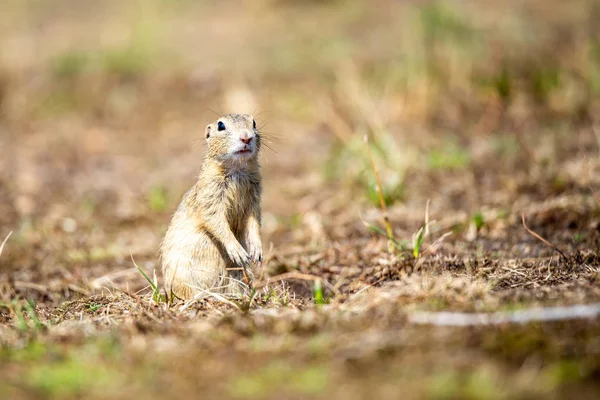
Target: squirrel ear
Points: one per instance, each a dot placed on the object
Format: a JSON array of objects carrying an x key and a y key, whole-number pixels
[{"x": 207, "y": 131}]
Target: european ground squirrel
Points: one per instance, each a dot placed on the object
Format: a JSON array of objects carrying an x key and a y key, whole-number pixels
[{"x": 215, "y": 233}]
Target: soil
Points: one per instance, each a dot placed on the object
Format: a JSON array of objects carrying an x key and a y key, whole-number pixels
[{"x": 101, "y": 121}]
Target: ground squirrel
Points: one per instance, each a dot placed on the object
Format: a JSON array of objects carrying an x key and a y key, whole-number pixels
[{"x": 215, "y": 232}]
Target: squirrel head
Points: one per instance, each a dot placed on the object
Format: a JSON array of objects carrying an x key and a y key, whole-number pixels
[{"x": 233, "y": 137}]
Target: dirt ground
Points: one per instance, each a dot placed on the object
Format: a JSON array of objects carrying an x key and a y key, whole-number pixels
[{"x": 483, "y": 124}]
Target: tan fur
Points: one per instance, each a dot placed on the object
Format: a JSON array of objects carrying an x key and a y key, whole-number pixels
[{"x": 217, "y": 225}]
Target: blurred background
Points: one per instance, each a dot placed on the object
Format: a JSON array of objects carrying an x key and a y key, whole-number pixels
[
  {"x": 103, "y": 104},
  {"x": 475, "y": 105},
  {"x": 487, "y": 109}
]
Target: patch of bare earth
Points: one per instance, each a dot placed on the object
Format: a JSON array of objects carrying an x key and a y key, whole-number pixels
[{"x": 495, "y": 153}]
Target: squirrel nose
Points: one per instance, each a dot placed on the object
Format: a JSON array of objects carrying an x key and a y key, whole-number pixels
[{"x": 246, "y": 138}]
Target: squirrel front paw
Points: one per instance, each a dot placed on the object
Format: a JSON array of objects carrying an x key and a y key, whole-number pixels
[
  {"x": 238, "y": 254},
  {"x": 255, "y": 250}
]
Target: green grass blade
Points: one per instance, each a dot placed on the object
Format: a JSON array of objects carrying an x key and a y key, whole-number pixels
[
  {"x": 318, "y": 292},
  {"x": 156, "y": 296}
]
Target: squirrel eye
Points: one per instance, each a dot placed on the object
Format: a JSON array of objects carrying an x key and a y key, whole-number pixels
[
  {"x": 254, "y": 123},
  {"x": 221, "y": 126}
]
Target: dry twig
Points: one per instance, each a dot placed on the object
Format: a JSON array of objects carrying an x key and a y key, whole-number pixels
[
  {"x": 296, "y": 275},
  {"x": 4, "y": 242},
  {"x": 243, "y": 269},
  {"x": 431, "y": 249},
  {"x": 532, "y": 233}
]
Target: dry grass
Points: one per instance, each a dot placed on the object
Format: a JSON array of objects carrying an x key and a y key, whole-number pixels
[
  {"x": 4, "y": 242},
  {"x": 477, "y": 114}
]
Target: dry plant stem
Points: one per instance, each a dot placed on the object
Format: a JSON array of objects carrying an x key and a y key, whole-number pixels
[
  {"x": 295, "y": 275},
  {"x": 503, "y": 317},
  {"x": 265, "y": 261},
  {"x": 431, "y": 249},
  {"x": 4, "y": 242},
  {"x": 206, "y": 293},
  {"x": 532, "y": 233},
  {"x": 246, "y": 280},
  {"x": 386, "y": 219},
  {"x": 368, "y": 286},
  {"x": 109, "y": 278}
]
